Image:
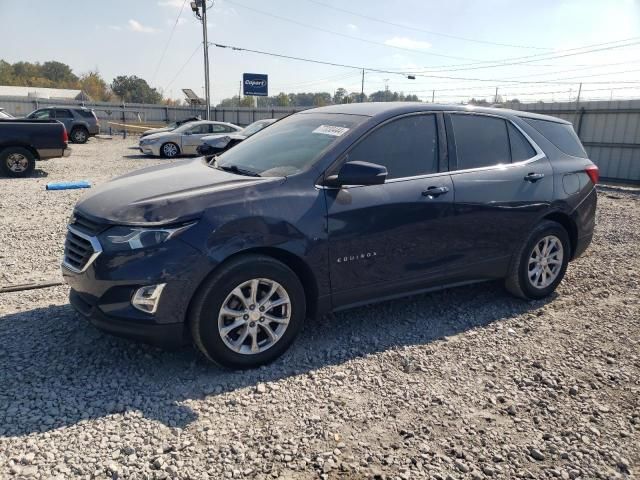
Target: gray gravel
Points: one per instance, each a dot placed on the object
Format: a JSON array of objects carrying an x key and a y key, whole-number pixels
[{"x": 467, "y": 383}]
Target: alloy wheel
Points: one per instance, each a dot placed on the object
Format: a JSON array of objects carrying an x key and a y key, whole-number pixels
[
  {"x": 254, "y": 316},
  {"x": 545, "y": 262},
  {"x": 170, "y": 150},
  {"x": 17, "y": 163}
]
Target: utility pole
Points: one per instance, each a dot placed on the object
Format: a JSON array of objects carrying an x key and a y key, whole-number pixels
[
  {"x": 362, "y": 88},
  {"x": 578, "y": 102},
  {"x": 196, "y": 5},
  {"x": 495, "y": 99},
  {"x": 433, "y": 96},
  {"x": 386, "y": 89},
  {"x": 239, "y": 92}
]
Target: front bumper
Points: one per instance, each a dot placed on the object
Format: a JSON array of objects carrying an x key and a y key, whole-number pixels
[
  {"x": 150, "y": 150},
  {"x": 103, "y": 291},
  {"x": 170, "y": 336}
]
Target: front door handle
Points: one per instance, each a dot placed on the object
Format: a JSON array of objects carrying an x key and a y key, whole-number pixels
[
  {"x": 432, "y": 192},
  {"x": 533, "y": 177}
]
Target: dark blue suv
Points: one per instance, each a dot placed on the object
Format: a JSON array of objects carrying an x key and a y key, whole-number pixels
[{"x": 327, "y": 209}]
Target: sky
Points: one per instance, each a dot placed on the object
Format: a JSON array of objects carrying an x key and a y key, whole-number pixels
[{"x": 457, "y": 48}]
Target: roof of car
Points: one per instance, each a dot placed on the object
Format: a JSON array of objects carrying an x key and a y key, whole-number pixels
[
  {"x": 388, "y": 109},
  {"x": 202, "y": 122}
]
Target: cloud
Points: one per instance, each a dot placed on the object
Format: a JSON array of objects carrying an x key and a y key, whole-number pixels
[
  {"x": 352, "y": 27},
  {"x": 115, "y": 27},
  {"x": 136, "y": 26},
  {"x": 171, "y": 3},
  {"x": 404, "y": 42}
]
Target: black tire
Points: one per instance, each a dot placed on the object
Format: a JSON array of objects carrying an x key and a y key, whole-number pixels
[
  {"x": 518, "y": 281},
  {"x": 79, "y": 135},
  {"x": 210, "y": 298},
  {"x": 169, "y": 152},
  {"x": 17, "y": 162}
]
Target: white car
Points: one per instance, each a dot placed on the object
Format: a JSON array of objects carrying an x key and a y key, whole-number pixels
[{"x": 185, "y": 139}]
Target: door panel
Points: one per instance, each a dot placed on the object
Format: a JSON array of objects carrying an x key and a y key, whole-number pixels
[
  {"x": 389, "y": 232},
  {"x": 497, "y": 202}
]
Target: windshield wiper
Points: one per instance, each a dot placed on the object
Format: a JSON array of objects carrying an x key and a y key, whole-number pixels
[{"x": 236, "y": 170}]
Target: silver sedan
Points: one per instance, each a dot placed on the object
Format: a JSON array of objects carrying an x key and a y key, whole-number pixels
[{"x": 185, "y": 139}]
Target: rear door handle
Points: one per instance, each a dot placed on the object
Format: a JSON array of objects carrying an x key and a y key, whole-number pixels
[
  {"x": 533, "y": 177},
  {"x": 435, "y": 191}
]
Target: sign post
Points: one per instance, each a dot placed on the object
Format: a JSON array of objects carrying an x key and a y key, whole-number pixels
[{"x": 255, "y": 84}]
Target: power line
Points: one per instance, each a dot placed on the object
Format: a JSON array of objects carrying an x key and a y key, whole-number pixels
[
  {"x": 183, "y": 66},
  {"x": 446, "y": 77},
  {"x": 430, "y": 32},
  {"x": 373, "y": 42},
  {"x": 168, "y": 42}
]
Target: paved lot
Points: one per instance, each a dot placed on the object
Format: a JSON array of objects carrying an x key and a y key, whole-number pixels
[{"x": 465, "y": 383}]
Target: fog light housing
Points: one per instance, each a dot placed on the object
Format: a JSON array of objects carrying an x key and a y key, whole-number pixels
[{"x": 146, "y": 299}]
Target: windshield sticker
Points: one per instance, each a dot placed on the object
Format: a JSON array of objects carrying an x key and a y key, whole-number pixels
[{"x": 331, "y": 130}]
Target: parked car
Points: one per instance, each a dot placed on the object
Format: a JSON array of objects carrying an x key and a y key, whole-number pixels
[
  {"x": 4, "y": 115},
  {"x": 168, "y": 128},
  {"x": 216, "y": 144},
  {"x": 183, "y": 140},
  {"x": 22, "y": 142},
  {"x": 327, "y": 209},
  {"x": 80, "y": 122}
]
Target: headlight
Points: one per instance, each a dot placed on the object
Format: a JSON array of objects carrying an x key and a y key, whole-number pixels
[{"x": 124, "y": 239}]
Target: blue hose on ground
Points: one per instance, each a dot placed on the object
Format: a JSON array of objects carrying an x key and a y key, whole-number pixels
[{"x": 68, "y": 185}]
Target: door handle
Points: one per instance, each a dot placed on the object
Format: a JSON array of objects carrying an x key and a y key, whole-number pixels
[
  {"x": 533, "y": 177},
  {"x": 432, "y": 192}
]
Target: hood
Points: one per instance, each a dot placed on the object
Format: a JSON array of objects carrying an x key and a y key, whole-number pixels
[
  {"x": 155, "y": 130},
  {"x": 164, "y": 194},
  {"x": 159, "y": 134}
]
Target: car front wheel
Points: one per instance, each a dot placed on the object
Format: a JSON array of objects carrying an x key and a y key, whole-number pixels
[
  {"x": 169, "y": 150},
  {"x": 541, "y": 263},
  {"x": 248, "y": 313}
]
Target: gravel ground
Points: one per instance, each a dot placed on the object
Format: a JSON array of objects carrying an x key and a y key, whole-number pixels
[{"x": 464, "y": 383}]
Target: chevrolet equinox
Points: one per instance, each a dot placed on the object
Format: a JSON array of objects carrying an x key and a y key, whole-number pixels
[{"x": 326, "y": 209}]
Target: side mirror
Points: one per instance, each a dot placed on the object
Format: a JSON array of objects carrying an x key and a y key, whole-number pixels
[{"x": 358, "y": 173}]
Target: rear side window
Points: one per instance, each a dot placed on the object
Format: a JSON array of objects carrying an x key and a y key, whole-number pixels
[
  {"x": 481, "y": 141},
  {"x": 561, "y": 135},
  {"x": 63, "y": 113},
  {"x": 85, "y": 113},
  {"x": 407, "y": 147},
  {"x": 521, "y": 149}
]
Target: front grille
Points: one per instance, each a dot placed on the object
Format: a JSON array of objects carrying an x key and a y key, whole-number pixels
[
  {"x": 79, "y": 250},
  {"x": 82, "y": 223}
]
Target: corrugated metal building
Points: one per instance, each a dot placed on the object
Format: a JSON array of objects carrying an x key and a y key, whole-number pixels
[{"x": 43, "y": 92}]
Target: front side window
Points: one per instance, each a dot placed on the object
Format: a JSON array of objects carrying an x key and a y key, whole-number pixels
[
  {"x": 41, "y": 114},
  {"x": 291, "y": 145},
  {"x": 481, "y": 141},
  {"x": 199, "y": 129},
  {"x": 407, "y": 147},
  {"x": 213, "y": 128}
]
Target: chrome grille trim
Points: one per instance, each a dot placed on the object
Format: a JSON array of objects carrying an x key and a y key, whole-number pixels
[{"x": 76, "y": 251}]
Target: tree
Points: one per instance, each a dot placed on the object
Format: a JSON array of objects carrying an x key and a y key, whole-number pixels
[
  {"x": 59, "y": 74},
  {"x": 134, "y": 89},
  {"x": 93, "y": 85},
  {"x": 340, "y": 95}
]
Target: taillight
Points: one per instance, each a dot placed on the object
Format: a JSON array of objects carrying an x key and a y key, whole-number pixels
[
  {"x": 593, "y": 172},
  {"x": 65, "y": 136}
]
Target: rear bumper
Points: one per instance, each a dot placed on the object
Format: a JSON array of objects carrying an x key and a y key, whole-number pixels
[
  {"x": 66, "y": 152},
  {"x": 169, "y": 336}
]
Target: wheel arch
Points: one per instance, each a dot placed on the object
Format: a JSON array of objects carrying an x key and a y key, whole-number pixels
[
  {"x": 28, "y": 147},
  {"x": 569, "y": 225},
  {"x": 291, "y": 260}
]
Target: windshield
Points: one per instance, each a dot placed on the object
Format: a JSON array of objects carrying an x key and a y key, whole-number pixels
[
  {"x": 255, "y": 127},
  {"x": 291, "y": 145},
  {"x": 4, "y": 115}
]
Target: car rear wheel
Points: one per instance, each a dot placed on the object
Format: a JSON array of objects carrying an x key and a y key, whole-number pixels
[
  {"x": 541, "y": 263},
  {"x": 17, "y": 162},
  {"x": 248, "y": 313},
  {"x": 169, "y": 150},
  {"x": 79, "y": 135}
]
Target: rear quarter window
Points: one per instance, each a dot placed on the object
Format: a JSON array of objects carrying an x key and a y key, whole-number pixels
[
  {"x": 85, "y": 113},
  {"x": 561, "y": 135}
]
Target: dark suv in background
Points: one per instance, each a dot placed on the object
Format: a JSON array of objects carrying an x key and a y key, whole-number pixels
[
  {"x": 81, "y": 123},
  {"x": 327, "y": 209}
]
